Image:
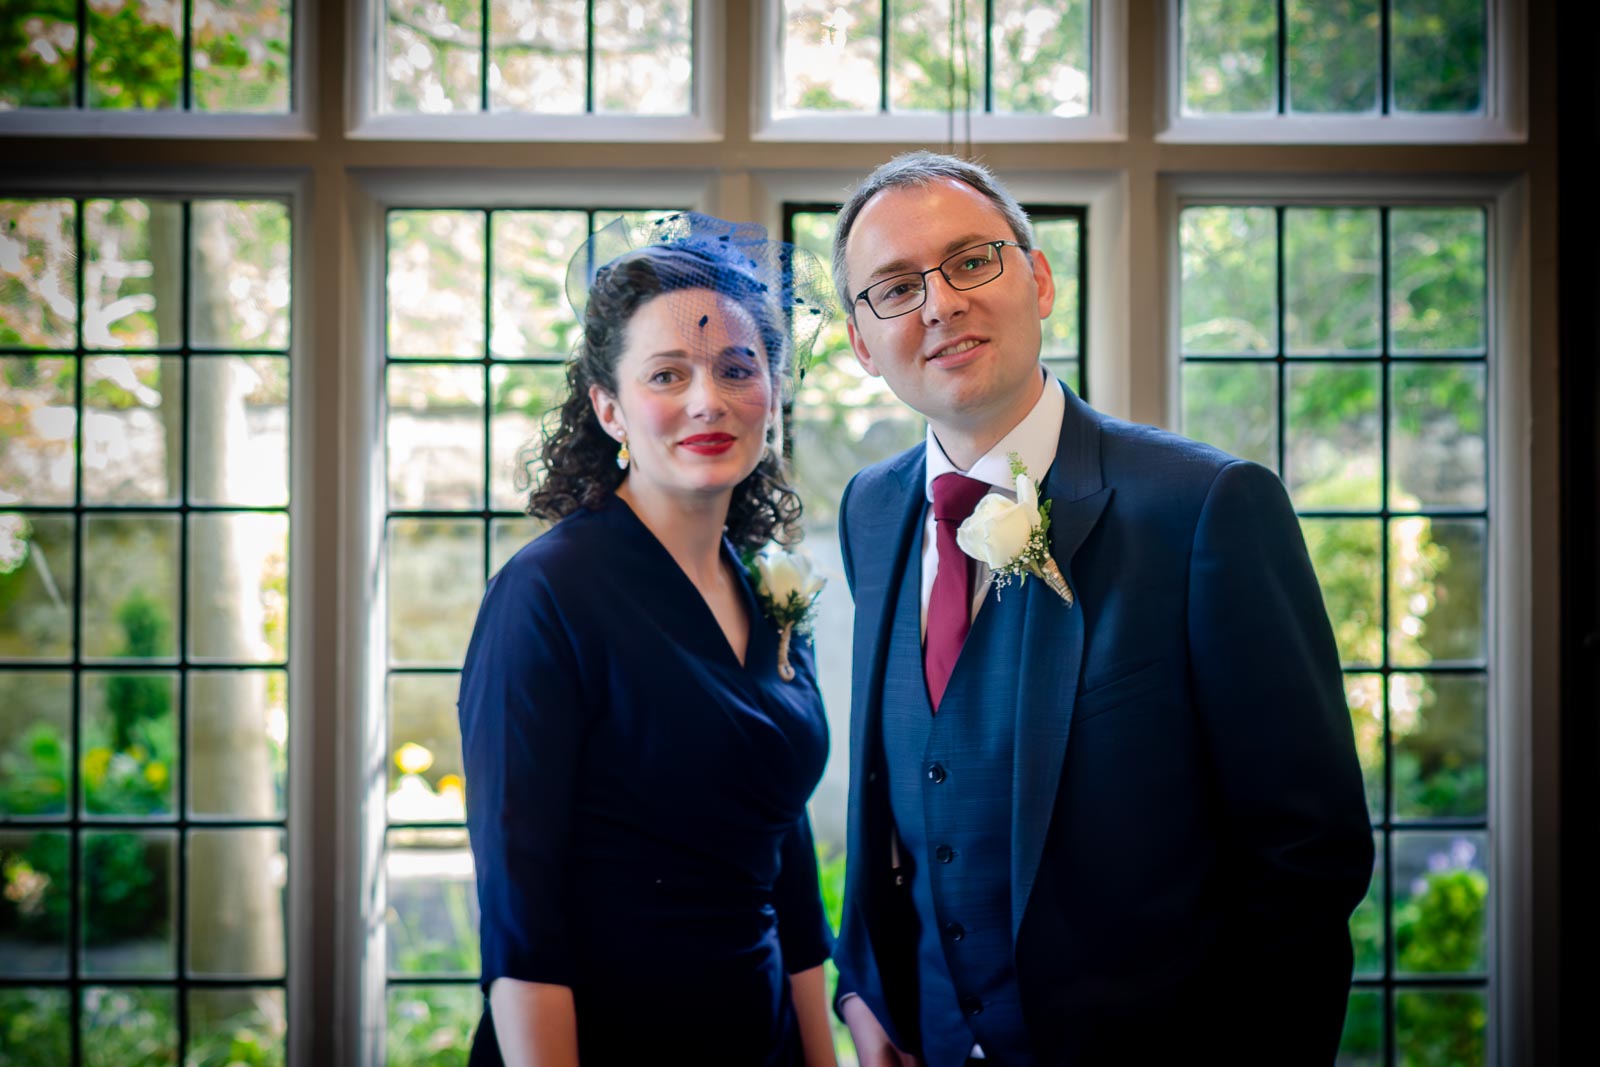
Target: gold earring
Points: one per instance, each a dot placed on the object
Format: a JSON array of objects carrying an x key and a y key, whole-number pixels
[{"x": 623, "y": 457}]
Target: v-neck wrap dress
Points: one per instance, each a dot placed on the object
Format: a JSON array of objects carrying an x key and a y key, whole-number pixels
[{"x": 636, "y": 800}]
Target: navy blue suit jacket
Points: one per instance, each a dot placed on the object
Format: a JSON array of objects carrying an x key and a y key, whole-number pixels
[{"x": 1189, "y": 829}]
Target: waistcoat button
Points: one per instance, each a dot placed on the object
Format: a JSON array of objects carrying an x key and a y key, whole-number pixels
[{"x": 944, "y": 853}]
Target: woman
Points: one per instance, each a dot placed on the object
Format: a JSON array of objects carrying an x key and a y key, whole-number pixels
[{"x": 638, "y": 768}]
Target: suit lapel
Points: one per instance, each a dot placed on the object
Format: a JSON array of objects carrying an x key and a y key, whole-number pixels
[{"x": 1051, "y": 650}]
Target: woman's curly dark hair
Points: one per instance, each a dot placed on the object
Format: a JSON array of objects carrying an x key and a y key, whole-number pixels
[{"x": 577, "y": 466}]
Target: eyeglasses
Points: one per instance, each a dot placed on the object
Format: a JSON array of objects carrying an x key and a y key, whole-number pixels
[{"x": 966, "y": 269}]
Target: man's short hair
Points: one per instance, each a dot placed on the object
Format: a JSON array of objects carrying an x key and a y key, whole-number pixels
[{"x": 917, "y": 170}]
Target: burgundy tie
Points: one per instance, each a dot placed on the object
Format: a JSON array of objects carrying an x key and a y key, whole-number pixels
[{"x": 950, "y": 603}]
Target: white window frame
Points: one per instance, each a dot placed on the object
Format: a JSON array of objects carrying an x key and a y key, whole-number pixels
[
  {"x": 1510, "y": 945},
  {"x": 703, "y": 123},
  {"x": 1106, "y": 120},
  {"x": 362, "y": 565},
  {"x": 300, "y": 902},
  {"x": 1503, "y": 120},
  {"x": 295, "y": 124}
]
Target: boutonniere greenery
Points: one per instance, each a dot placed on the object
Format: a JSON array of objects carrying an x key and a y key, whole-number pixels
[
  {"x": 1012, "y": 536},
  {"x": 786, "y": 585}
]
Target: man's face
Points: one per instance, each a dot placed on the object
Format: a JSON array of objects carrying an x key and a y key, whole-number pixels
[{"x": 966, "y": 359}]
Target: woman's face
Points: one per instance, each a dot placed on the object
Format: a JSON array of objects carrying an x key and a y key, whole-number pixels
[{"x": 694, "y": 397}]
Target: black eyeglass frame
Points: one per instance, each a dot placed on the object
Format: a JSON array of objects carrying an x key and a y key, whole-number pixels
[{"x": 998, "y": 245}]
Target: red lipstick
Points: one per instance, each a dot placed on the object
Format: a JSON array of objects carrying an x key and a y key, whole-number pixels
[{"x": 708, "y": 444}]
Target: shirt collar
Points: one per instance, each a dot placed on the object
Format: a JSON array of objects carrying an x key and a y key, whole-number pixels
[{"x": 1034, "y": 440}]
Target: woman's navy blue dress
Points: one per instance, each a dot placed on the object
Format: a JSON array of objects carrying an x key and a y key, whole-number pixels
[{"x": 636, "y": 801}]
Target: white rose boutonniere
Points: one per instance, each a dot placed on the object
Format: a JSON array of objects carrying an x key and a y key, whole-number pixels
[
  {"x": 1012, "y": 537},
  {"x": 786, "y": 585}
]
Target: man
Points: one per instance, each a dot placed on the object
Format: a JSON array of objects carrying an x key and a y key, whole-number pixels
[{"x": 1117, "y": 823}]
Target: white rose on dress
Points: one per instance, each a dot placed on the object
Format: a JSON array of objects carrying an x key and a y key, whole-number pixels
[
  {"x": 997, "y": 531},
  {"x": 787, "y": 577}
]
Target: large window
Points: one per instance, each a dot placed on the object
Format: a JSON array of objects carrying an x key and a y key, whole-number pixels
[
  {"x": 478, "y": 335},
  {"x": 144, "y": 625},
  {"x": 1348, "y": 349}
]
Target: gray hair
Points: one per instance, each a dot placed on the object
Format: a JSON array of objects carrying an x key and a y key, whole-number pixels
[{"x": 918, "y": 170}]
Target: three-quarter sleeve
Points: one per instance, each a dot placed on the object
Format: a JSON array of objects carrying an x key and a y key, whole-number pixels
[
  {"x": 803, "y": 931},
  {"x": 522, "y": 734}
]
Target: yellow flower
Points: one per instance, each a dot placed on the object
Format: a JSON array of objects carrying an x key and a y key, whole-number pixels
[
  {"x": 412, "y": 758},
  {"x": 95, "y": 764},
  {"x": 155, "y": 773},
  {"x": 138, "y": 752},
  {"x": 451, "y": 783}
]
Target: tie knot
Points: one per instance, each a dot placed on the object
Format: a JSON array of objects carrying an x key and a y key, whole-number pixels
[{"x": 955, "y": 495}]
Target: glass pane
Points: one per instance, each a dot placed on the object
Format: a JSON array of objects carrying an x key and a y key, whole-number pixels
[
  {"x": 1441, "y": 1027},
  {"x": 129, "y": 1025},
  {"x": 33, "y": 906},
  {"x": 40, "y": 62},
  {"x": 1346, "y": 556},
  {"x": 435, "y": 425},
  {"x": 38, "y": 246},
  {"x": 436, "y": 283},
  {"x": 239, "y": 431},
  {"x": 238, "y": 587},
  {"x": 132, "y": 416},
  {"x": 1334, "y": 55},
  {"x": 241, "y": 55},
  {"x": 1438, "y": 49},
  {"x": 1438, "y": 436},
  {"x": 1441, "y": 902},
  {"x": 35, "y": 742},
  {"x": 432, "y": 52},
  {"x": 1437, "y": 286},
  {"x": 923, "y": 74},
  {"x": 1439, "y": 724},
  {"x": 433, "y": 903},
  {"x": 642, "y": 58},
  {"x": 1233, "y": 406},
  {"x": 832, "y": 55},
  {"x": 1058, "y": 240},
  {"x": 238, "y": 743},
  {"x": 1333, "y": 436},
  {"x": 1361, "y": 1044},
  {"x": 134, "y": 53},
  {"x": 436, "y": 579},
  {"x": 35, "y": 586},
  {"x": 531, "y": 315},
  {"x": 130, "y": 586},
  {"x": 37, "y": 428},
  {"x": 1364, "y": 694},
  {"x": 507, "y": 536},
  {"x": 440, "y": 1017},
  {"x": 129, "y": 911},
  {"x": 1041, "y": 56},
  {"x": 133, "y": 281},
  {"x": 1230, "y": 56},
  {"x": 813, "y": 231},
  {"x": 130, "y": 743},
  {"x": 237, "y": 1026},
  {"x": 1366, "y": 924},
  {"x": 1438, "y": 587},
  {"x": 1331, "y": 286},
  {"x": 425, "y": 776},
  {"x": 38, "y": 1026},
  {"x": 1229, "y": 280},
  {"x": 240, "y": 261},
  {"x": 236, "y": 903},
  {"x": 523, "y": 395},
  {"x": 536, "y": 55}
]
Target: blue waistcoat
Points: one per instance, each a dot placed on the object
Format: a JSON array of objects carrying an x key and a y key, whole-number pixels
[{"x": 950, "y": 779}]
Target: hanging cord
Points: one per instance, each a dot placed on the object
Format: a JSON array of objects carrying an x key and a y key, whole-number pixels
[
  {"x": 966, "y": 75},
  {"x": 950, "y": 88}
]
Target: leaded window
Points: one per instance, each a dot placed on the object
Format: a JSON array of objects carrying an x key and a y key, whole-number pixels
[
  {"x": 549, "y": 57},
  {"x": 144, "y": 629},
  {"x": 228, "y": 56},
  {"x": 1348, "y": 349}
]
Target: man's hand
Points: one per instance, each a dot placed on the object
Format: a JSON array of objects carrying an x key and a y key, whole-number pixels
[{"x": 873, "y": 1047}]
